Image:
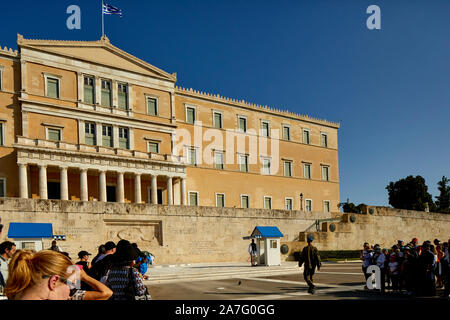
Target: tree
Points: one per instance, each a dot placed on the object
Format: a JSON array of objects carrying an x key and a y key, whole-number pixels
[
  {"x": 443, "y": 200},
  {"x": 410, "y": 193},
  {"x": 350, "y": 207}
]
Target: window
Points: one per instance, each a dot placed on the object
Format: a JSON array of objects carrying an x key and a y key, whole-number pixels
[
  {"x": 2, "y": 187},
  {"x": 192, "y": 156},
  {"x": 243, "y": 163},
  {"x": 288, "y": 203},
  {"x": 53, "y": 87},
  {"x": 153, "y": 147},
  {"x": 193, "y": 198},
  {"x": 107, "y": 137},
  {"x": 245, "y": 203},
  {"x": 242, "y": 124},
  {"x": 152, "y": 106},
  {"x": 190, "y": 115},
  {"x": 266, "y": 165},
  {"x": 273, "y": 244},
  {"x": 325, "y": 173},
  {"x": 308, "y": 205},
  {"x": 53, "y": 134},
  {"x": 89, "y": 90},
  {"x": 324, "y": 139},
  {"x": 220, "y": 200},
  {"x": 218, "y": 160},
  {"x": 267, "y": 203},
  {"x": 106, "y": 93},
  {"x": 124, "y": 141},
  {"x": 306, "y": 136},
  {"x": 2, "y": 134},
  {"x": 89, "y": 133},
  {"x": 217, "y": 120},
  {"x": 264, "y": 128},
  {"x": 307, "y": 171},
  {"x": 286, "y": 133},
  {"x": 122, "y": 96},
  {"x": 326, "y": 206},
  {"x": 287, "y": 168}
]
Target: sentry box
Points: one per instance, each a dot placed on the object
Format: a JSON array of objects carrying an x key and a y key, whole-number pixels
[
  {"x": 268, "y": 244},
  {"x": 31, "y": 235}
]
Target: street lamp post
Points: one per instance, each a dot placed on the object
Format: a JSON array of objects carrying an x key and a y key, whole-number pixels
[{"x": 301, "y": 201}]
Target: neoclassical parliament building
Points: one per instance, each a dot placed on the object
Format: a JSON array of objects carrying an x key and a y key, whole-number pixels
[{"x": 86, "y": 121}]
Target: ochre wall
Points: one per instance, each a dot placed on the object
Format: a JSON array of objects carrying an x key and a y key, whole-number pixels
[{"x": 178, "y": 234}]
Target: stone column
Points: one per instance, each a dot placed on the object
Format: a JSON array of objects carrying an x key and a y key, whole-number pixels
[
  {"x": 102, "y": 186},
  {"x": 23, "y": 183},
  {"x": 120, "y": 188},
  {"x": 183, "y": 192},
  {"x": 43, "y": 182},
  {"x": 64, "y": 183},
  {"x": 170, "y": 191},
  {"x": 137, "y": 188},
  {"x": 154, "y": 189},
  {"x": 83, "y": 185}
]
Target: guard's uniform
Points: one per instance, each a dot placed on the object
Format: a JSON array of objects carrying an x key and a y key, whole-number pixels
[{"x": 310, "y": 257}]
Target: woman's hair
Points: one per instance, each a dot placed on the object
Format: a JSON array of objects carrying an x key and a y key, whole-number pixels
[{"x": 27, "y": 267}]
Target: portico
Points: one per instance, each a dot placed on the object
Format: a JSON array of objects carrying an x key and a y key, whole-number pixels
[{"x": 91, "y": 177}]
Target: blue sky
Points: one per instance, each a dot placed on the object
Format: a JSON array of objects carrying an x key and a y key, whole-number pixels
[{"x": 390, "y": 88}]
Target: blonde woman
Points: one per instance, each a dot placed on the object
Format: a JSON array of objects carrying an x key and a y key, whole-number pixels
[{"x": 44, "y": 275}]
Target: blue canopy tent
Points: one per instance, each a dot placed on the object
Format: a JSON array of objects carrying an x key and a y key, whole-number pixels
[
  {"x": 30, "y": 235},
  {"x": 268, "y": 244}
]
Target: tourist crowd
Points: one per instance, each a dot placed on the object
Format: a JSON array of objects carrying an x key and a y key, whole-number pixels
[
  {"x": 411, "y": 269},
  {"x": 115, "y": 273}
]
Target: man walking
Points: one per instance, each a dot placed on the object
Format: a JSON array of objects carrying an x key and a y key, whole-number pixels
[
  {"x": 310, "y": 257},
  {"x": 253, "y": 250}
]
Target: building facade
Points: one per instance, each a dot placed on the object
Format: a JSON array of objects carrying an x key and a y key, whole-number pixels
[{"x": 86, "y": 121}]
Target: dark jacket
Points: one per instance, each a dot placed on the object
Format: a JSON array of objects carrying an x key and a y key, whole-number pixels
[{"x": 311, "y": 260}]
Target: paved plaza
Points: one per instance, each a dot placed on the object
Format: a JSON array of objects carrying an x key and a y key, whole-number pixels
[{"x": 240, "y": 281}]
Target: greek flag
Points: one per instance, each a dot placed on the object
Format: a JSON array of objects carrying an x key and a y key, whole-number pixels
[{"x": 108, "y": 9}]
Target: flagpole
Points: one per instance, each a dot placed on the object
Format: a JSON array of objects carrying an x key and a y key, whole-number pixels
[{"x": 103, "y": 22}]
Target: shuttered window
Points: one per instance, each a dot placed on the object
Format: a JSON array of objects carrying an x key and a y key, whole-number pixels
[
  {"x": 89, "y": 134},
  {"x": 288, "y": 205},
  {"x": 122, "y": 96},
  {"x": 107, "y": 136},
  {"x": 89, "y": 93},
  {"x": 326, "y": 206},
  {"x": 245, "y": 202},
  {"x": 286, "y": 133},
  {"x": 242, "y": 124},
  {"x": 193, "y": 198},
  {"x": 243, "y": 163},
  {"x": 124, "y": 141},
  {"x": 287, "y": 168},
  {"x": 53, "y": 88},
  {"x": 324, "y": 138},
  {"x": 192, "y": 156},
  {"x": 308, "y": 205},
  {"x": 267, "y": 203},
  {"x": 218, "y": 160},
  {"x": 307, "y": 172},
  {"x": 153, "y": 147},
  {"x": 217, "y": 120},
  {"x": 265, "y": 129},
  {"x": 106, "y": 93},
  {"x": 220, "y": 200},
  {"x": 2, "y": 138},
  {"x": 266, "y": 166},
  {"x": 152, "y": 108},
  {"x": 54, "y": 134},
  {"x": 325, "y": 173},
  {"x": 190, "y": 115},
  {"x": 306, "y": 137}
]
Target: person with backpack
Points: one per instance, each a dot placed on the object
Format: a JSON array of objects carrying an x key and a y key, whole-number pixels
[
  {"x": 311, "y": 258},
  {"x": 123, "y": 279}
]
